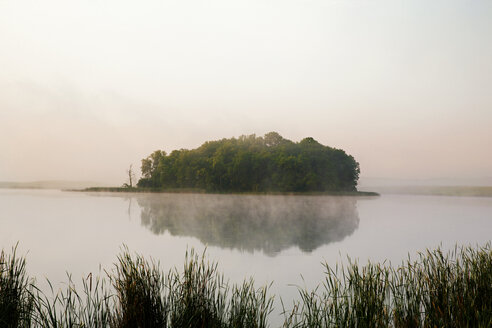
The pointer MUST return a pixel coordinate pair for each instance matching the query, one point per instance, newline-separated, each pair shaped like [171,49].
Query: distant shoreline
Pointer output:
[201,191]
[446,191]
[456,191]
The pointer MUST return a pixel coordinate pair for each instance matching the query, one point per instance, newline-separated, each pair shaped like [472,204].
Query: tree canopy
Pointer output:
[253,164]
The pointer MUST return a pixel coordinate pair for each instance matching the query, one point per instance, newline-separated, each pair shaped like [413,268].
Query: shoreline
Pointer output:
[201,191]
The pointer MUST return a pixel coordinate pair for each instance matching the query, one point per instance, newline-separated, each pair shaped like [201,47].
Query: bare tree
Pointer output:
[131,177]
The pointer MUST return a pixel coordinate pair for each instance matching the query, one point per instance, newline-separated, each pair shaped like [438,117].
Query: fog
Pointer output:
[89,87]
[252,223]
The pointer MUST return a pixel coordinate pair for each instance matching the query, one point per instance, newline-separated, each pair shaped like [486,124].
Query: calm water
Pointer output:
[272,238]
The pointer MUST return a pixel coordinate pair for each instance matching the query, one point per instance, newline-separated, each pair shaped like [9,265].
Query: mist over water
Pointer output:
[252,223]
[274,239]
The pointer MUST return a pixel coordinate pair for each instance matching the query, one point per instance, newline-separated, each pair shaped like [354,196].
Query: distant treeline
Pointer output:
[253,164]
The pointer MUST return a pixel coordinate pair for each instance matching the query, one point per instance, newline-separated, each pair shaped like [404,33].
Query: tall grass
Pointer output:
[437,289]
[458,288]
[350,297]
[139,288]
[141,295]
[69,308]
[200,297]
[16,299]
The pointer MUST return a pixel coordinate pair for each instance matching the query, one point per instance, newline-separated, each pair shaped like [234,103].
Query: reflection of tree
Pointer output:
[267,223]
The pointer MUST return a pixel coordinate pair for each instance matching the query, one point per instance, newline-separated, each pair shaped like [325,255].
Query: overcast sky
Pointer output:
[89,87]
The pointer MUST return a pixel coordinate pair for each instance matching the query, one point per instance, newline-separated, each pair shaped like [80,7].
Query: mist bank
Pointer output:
[456,186]
[367,182]
[461,191]
[252,223]
[50,184]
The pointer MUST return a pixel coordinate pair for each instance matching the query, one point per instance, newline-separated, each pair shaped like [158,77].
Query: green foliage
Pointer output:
[253,164]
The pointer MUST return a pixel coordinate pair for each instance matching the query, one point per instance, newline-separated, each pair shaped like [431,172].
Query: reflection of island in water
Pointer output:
[251,222]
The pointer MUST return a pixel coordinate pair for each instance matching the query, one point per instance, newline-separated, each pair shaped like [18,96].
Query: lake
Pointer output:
[279,239]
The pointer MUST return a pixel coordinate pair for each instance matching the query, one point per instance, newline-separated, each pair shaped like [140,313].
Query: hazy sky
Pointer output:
[88,87]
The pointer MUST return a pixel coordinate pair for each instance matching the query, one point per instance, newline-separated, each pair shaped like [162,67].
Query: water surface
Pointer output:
[272,238]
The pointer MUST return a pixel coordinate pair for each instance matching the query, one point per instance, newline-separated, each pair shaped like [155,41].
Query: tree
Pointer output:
[250,163]
[273,139]
[131,177]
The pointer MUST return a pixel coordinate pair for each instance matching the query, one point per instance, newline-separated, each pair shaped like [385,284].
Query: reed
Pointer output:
[457,287]
[407,291]
[16,299]
[141,295]
[197,297]
[249,307]
[201,297]
[139,288]
[69,308]
[438,289]
[349,297]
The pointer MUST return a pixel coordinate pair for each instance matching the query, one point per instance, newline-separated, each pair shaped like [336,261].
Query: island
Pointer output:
[250,164]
